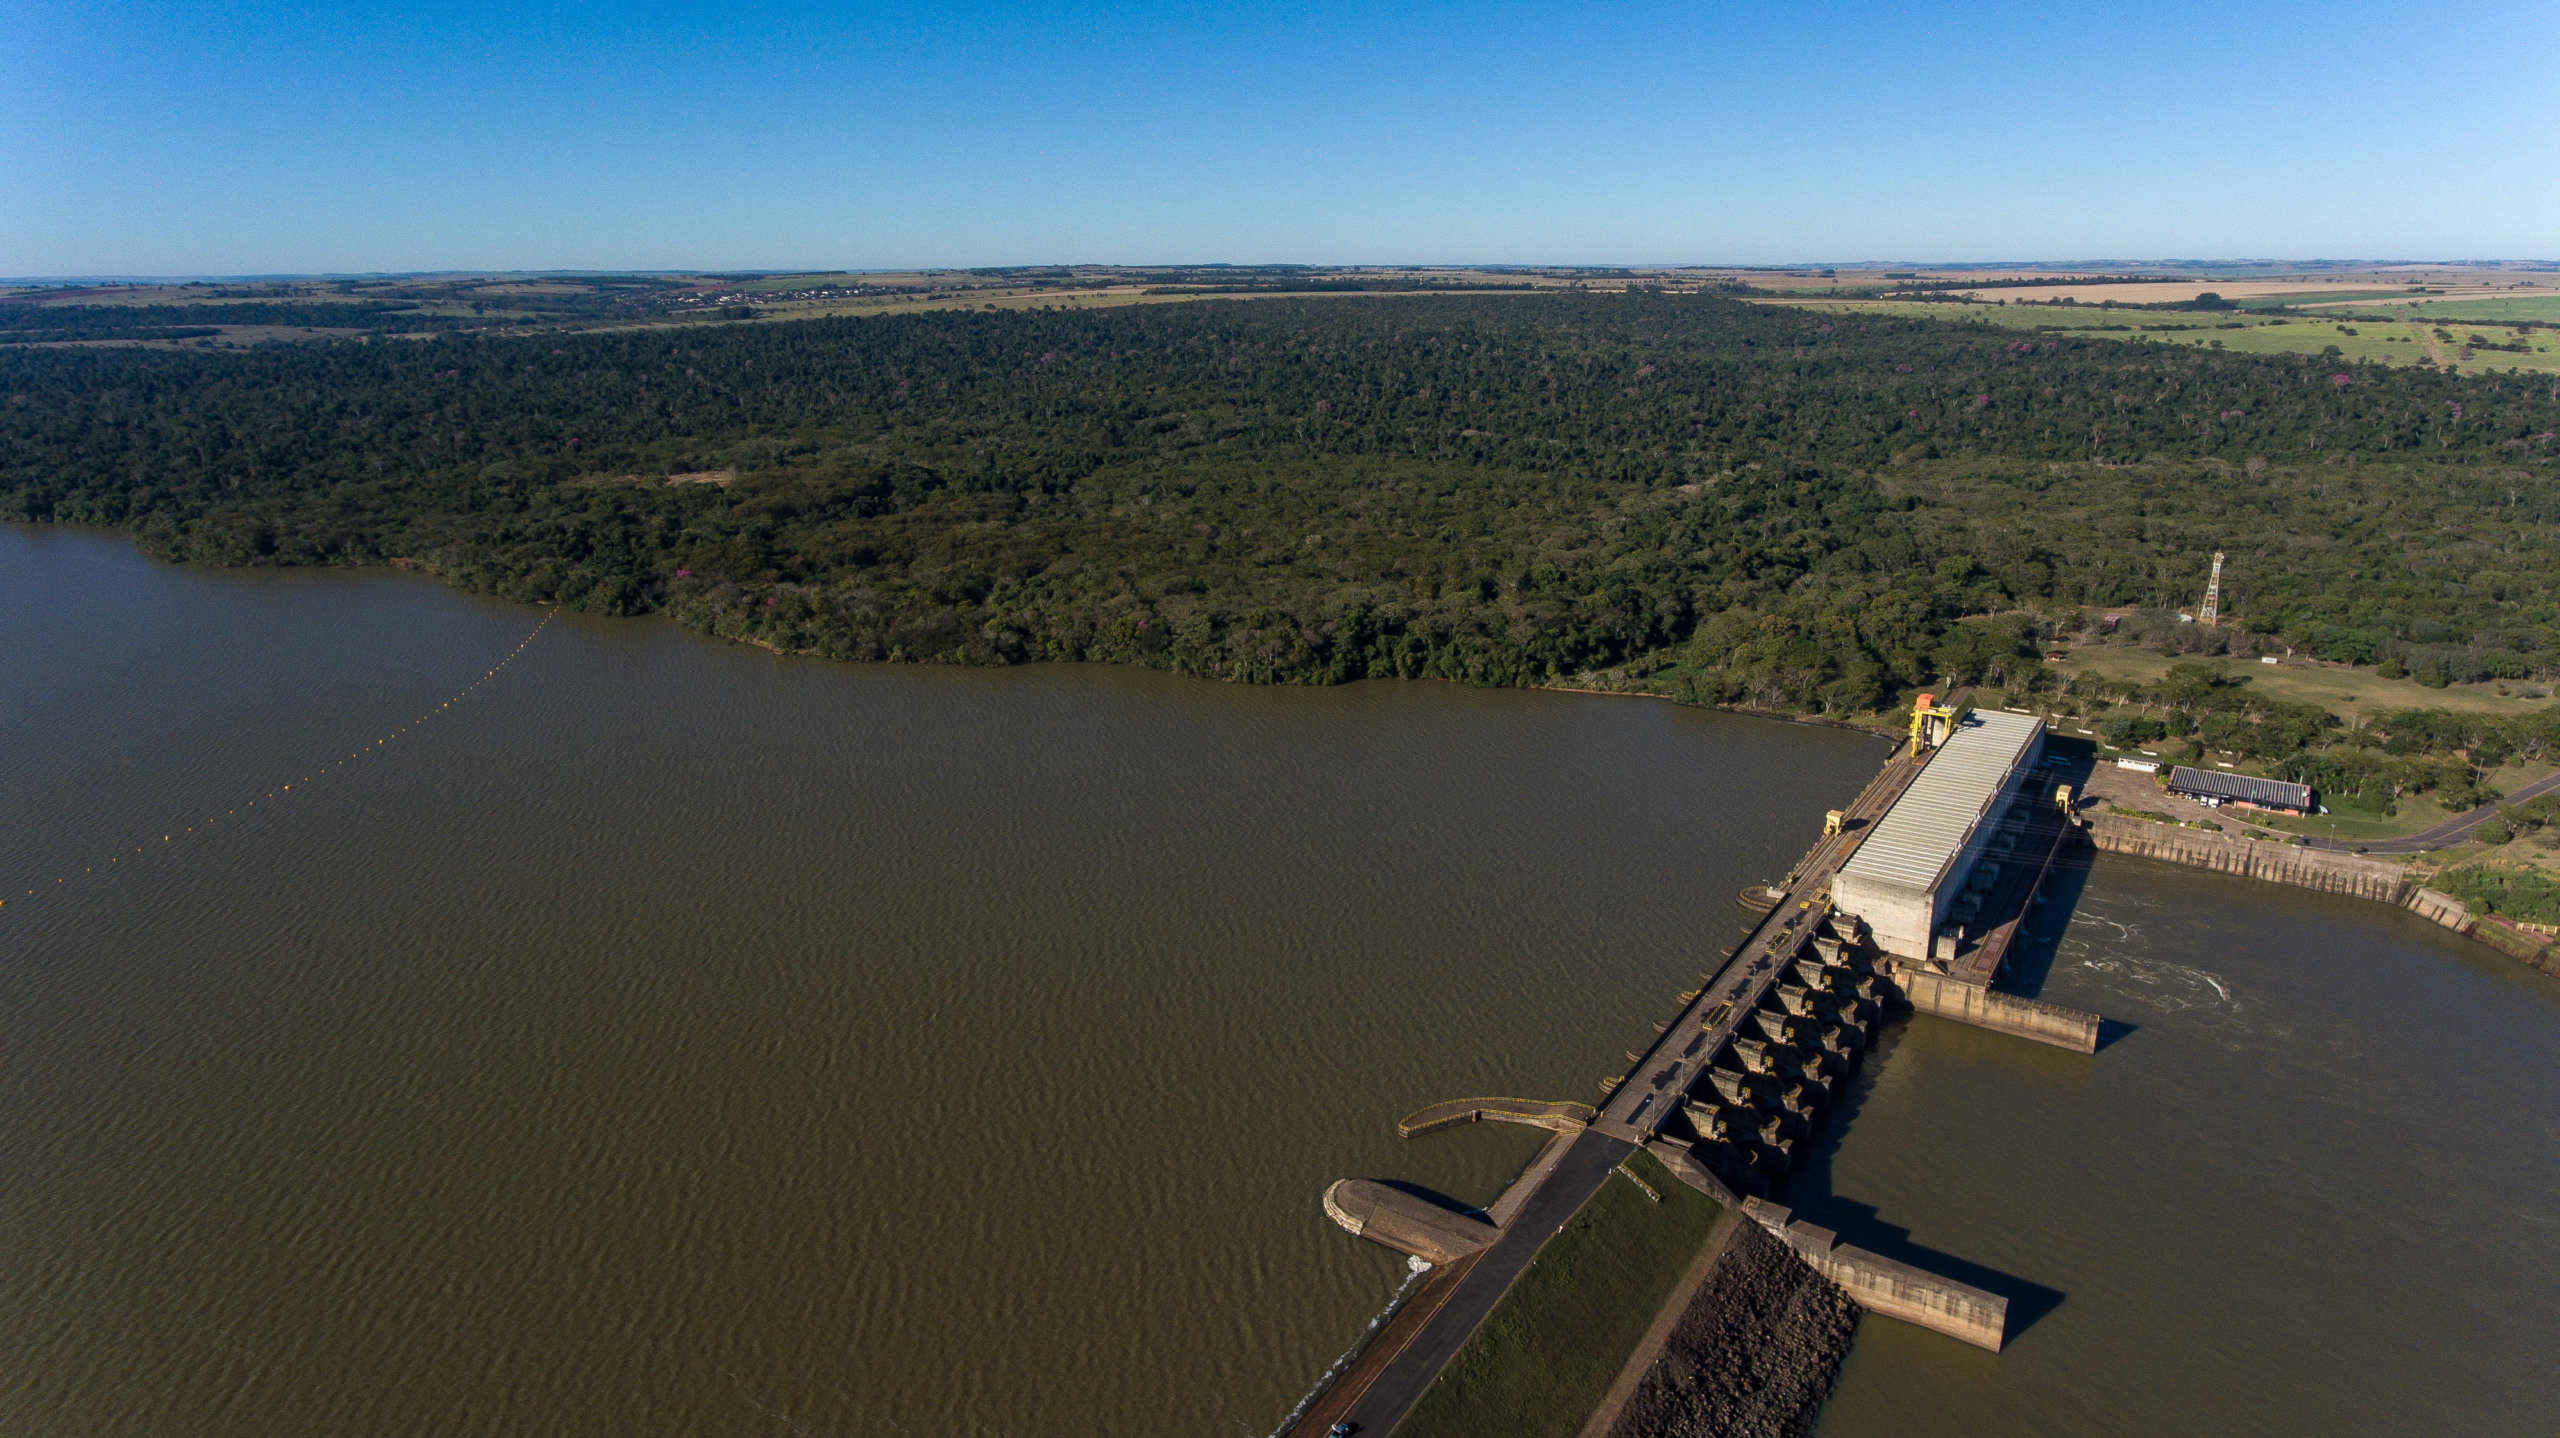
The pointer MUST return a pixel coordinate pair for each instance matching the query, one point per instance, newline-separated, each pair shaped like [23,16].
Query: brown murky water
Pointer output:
[670,1038]
[2316,1190]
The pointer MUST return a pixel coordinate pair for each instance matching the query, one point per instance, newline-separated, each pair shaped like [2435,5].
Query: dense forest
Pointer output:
[1732,503]
[371,308]
[53,324]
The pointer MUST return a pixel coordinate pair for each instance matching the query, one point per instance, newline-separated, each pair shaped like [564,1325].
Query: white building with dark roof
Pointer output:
[2214,788]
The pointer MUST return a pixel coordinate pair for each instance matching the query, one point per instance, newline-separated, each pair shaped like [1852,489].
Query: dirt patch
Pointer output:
[721,477]
[1754,1357]
[2131,789]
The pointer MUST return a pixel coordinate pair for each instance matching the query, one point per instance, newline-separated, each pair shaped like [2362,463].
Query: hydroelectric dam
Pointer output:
[1914,897]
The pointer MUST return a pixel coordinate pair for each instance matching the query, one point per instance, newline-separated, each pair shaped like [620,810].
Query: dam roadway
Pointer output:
[1407,1354]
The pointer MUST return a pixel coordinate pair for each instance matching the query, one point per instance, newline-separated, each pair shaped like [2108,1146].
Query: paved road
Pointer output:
[2450,831]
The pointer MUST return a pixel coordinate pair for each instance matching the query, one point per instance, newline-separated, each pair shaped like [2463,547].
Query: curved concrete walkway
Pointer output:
[1560,1116]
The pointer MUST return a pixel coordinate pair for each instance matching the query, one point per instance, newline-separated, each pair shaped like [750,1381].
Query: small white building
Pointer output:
[2139,766]
[1913,864]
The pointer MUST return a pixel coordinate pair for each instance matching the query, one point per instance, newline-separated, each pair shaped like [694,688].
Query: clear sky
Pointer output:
[176,138]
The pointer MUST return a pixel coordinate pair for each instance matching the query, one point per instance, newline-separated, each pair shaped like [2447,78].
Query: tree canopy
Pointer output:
[1752,504]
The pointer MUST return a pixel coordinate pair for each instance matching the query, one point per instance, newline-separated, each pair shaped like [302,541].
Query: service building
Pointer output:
[2214,788]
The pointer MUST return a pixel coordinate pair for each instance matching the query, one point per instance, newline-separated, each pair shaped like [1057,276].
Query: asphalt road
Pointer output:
[2451,831]
[1577,1176]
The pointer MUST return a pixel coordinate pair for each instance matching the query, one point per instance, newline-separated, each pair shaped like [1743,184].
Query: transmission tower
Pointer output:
[2212,614]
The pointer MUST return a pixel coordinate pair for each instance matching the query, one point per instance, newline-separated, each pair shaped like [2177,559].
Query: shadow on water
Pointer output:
[2039,940]
[1858,1224]
[1809,1193]
[2040,937]
[2110,1030]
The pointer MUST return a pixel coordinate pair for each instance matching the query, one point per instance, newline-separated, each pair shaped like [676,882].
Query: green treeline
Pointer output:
[1732,503]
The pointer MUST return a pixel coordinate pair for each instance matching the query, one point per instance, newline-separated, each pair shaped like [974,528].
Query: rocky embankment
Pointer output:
[1755,1355]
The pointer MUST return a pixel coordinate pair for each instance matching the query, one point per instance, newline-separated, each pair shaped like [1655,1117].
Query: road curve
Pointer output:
[2450,831]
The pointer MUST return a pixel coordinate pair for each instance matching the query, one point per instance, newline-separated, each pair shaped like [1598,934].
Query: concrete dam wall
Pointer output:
[1882,1285]
[2002,1013]
[2321,869]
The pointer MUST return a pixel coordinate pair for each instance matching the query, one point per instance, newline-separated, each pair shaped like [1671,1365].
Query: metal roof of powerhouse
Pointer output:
[1920,835]
[2273,792]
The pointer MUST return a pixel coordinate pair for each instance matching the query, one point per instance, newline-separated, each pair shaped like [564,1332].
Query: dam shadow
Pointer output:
[2030,959]
[2040,935]
[1809,1193]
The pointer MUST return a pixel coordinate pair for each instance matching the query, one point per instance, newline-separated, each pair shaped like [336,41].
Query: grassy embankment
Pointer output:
[1548,1353]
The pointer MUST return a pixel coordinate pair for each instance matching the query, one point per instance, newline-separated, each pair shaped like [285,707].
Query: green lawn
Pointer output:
[1548,1353]
[2350,826]
[2352,694]
[2272,302]
[2544,307]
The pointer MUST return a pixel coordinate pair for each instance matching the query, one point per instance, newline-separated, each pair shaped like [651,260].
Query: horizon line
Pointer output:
[2255,262]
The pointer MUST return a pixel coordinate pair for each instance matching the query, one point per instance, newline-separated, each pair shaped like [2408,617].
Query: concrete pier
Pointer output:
[1556,1117]
[1881,1285]
[1987,1008]
[1405,1222]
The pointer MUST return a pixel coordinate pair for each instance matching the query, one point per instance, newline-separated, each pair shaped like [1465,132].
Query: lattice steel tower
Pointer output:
[2212,614]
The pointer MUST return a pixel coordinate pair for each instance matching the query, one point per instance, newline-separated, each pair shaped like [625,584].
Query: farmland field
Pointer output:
[2542,308]
[2380,338]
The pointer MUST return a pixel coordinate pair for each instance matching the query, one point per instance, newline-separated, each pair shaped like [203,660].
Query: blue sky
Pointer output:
[181,138]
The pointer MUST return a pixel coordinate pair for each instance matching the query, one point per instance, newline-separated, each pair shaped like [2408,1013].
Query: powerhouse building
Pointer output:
[1912,866]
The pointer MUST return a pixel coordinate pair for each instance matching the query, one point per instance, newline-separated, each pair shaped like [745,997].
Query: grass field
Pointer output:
[2545,308]
[2417,815]
[2527,854]
[2325,297]
[1548,1353]
[2370,300]
[2352,694]
[2378,337]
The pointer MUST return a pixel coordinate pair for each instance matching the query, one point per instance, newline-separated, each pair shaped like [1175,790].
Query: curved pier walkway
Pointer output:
[1564,1117]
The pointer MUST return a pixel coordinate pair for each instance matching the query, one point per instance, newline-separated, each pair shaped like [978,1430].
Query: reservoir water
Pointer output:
[669,1037]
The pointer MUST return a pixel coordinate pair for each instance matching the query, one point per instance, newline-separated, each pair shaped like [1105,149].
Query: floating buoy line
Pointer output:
[176,832]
